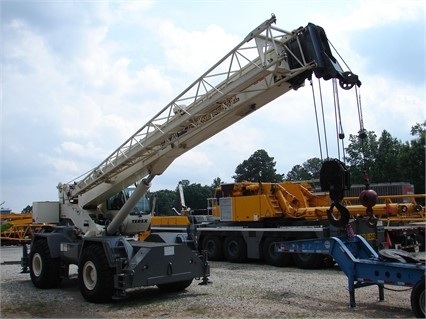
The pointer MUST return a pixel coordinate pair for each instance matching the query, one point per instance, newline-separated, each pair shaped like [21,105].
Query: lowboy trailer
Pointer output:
[365,267]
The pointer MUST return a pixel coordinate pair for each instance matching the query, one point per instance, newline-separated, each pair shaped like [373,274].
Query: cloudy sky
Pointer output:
[80,77]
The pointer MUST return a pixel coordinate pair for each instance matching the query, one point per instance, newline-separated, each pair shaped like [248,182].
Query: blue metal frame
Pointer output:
[360,263]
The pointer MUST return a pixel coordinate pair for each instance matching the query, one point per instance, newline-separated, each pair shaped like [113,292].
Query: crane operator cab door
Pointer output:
[139,219]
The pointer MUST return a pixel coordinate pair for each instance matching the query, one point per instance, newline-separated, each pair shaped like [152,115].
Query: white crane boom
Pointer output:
[265,65]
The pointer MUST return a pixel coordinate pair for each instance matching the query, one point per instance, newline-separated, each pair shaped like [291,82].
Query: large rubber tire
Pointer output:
[329,262]
[95,276]
[273,258]
[309,261]
[44,270]
[418,299]
[214,247]
[421,241]
[235,249]
[175,286]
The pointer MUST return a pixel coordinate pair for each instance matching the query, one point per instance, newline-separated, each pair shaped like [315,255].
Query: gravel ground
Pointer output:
[237,291]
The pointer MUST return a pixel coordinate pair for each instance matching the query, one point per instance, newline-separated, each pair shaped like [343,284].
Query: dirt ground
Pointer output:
[252,290]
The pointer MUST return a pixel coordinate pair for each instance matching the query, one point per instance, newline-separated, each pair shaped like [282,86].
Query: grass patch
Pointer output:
[35,309]
[194,310]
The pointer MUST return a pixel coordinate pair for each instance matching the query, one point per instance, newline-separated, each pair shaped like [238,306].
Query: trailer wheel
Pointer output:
[308,260]
[175,286]
[418,299]
[44,270]
[273,258]
[421,241]
[235,249]
[214,247]
[95,276]
[329,262]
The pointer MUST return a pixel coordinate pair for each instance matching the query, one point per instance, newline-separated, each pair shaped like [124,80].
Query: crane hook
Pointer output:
[368,198]
[343,221]
[335,178]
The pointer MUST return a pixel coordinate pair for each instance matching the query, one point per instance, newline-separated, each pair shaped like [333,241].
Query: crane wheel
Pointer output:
[273,258]
[95,276]
[418,299]
[214,247]
[44,270]
[309,261]
[235,249]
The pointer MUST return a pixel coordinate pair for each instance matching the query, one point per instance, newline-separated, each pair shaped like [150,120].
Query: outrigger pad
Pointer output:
[334,178]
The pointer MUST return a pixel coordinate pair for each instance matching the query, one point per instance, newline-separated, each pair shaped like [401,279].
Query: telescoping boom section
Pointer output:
[268,63]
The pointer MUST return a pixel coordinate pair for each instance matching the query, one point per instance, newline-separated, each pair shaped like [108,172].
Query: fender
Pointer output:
[54,241]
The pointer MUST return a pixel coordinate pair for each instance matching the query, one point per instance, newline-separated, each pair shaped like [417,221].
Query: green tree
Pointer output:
[307,171]
[313,167]
[27,209]
[216,182]
[386,163]
[259,167]
[166,201]
[387,159]
[184,183]
[362,154]
[297,173]
[5,227]
[196,195]
[412,158]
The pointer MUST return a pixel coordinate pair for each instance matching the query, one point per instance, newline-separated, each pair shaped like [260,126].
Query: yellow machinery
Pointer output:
[17,228]
[245,218]
[252,202]
[256,201]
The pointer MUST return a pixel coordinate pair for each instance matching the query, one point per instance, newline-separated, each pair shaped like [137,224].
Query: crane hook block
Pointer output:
[334,178]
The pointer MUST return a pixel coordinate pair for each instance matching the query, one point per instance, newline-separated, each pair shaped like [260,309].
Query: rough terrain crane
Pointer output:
[94,216]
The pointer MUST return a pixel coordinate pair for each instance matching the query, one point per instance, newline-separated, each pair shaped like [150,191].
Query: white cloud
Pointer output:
[62,165]
[393,106]
[80,79]
[193,52]
[372,13]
